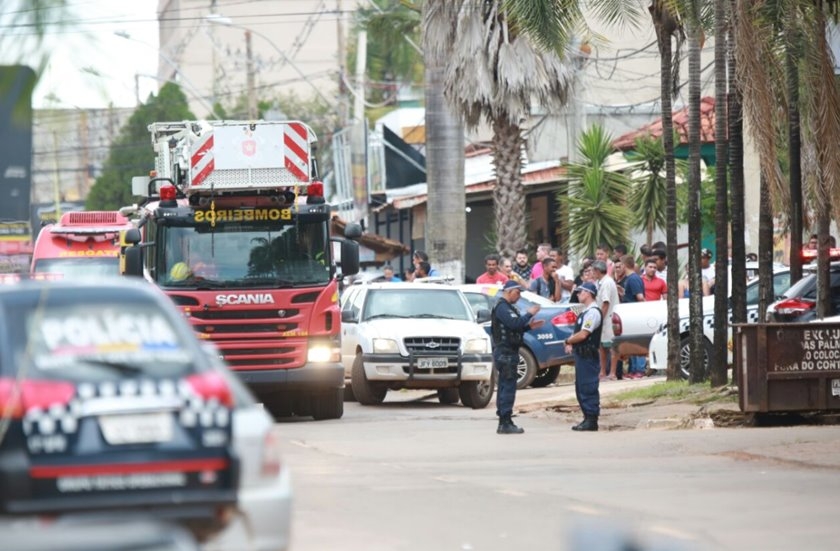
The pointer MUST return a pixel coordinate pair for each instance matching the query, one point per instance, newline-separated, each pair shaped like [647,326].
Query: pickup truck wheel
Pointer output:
[328,404]
[526,369]
[477,394]
[546,377]
[349,396]
[367,393]
[448,395]
[685,355]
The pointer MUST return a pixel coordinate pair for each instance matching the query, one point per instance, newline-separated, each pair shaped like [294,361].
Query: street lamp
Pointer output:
[196,94]
[218,19]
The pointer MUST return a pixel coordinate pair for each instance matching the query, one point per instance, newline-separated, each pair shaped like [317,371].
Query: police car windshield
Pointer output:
[243,255]
[93,340]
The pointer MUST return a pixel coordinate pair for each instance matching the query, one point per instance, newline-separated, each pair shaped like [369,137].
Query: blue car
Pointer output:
[542,352]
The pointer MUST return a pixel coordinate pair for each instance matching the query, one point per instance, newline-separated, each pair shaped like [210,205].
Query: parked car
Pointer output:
[110,405]
[799,302]
[542,352]
[658,348]
[414,335]
[641,320]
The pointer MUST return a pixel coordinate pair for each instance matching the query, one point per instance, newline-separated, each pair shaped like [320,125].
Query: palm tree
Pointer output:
[718,361]
[505,54]
[668,26]
[694,10]
[594,197]
[446,223]
[647,198]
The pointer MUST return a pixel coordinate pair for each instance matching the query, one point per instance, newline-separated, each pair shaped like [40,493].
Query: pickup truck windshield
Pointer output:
[415,303]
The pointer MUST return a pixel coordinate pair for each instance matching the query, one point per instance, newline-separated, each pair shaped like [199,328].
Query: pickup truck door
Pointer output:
[351,307]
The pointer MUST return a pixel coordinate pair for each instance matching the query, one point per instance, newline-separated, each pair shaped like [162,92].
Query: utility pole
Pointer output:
[342,68]
[252,91]
[56,177]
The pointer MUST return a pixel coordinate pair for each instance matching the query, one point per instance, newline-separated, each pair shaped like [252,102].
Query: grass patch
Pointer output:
[679,391]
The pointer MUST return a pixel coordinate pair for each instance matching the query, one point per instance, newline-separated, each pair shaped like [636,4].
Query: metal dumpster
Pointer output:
[788,366]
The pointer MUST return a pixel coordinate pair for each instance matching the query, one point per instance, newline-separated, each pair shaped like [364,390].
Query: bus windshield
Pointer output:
[243,255]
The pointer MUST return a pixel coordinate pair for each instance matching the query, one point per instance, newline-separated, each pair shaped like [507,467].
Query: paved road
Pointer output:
[416,475]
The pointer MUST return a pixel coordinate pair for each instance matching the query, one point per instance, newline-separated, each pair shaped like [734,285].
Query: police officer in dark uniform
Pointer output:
[585,342]
[508,327]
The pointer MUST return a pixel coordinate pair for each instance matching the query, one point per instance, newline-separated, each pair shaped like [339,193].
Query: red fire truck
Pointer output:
[81,245]
[235,229]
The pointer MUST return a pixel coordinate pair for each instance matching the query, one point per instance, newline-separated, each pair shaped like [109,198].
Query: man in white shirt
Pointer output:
[606,300]
[565,274]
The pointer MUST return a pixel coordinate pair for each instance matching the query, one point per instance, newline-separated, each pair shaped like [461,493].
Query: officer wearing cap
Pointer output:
[585,342]
[508,326]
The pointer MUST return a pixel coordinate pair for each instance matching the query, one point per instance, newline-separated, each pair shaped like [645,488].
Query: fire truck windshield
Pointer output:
[243,255]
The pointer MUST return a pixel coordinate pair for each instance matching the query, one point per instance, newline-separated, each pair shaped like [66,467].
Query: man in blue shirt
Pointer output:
[388,274]
[421,256]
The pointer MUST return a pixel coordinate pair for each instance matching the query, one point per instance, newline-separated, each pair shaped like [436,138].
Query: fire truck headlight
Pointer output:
[385,346]
[321,353]
[476,346]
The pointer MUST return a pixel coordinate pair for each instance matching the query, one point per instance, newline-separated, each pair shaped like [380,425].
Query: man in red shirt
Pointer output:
[492,275]
[655,286]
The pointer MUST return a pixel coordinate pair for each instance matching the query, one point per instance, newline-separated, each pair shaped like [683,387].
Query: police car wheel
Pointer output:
[546,377]
[685,355]
[526,369]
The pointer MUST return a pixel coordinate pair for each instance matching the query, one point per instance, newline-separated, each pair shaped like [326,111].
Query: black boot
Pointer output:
[506,426]
[589,423]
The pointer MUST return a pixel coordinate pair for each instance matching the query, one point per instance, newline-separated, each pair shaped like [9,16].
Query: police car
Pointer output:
[543,351]
[108,404]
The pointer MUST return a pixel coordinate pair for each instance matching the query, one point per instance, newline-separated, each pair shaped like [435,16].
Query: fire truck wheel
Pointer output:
[278,406]
[448,395]
[477,394]
[367,393]
[328,404]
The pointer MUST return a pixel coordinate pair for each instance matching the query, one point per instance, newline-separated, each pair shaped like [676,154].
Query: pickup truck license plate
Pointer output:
[146,428]
[432,363]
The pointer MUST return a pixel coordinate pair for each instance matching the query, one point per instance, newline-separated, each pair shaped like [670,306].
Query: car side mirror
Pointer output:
[482,316]
[348,316]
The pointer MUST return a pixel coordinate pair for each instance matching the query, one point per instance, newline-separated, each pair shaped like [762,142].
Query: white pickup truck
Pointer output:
[415,335]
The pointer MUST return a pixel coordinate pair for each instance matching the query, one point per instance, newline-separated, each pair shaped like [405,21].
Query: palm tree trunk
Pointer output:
[718,361]
[446,216]
[735,115]
[509,194]
[663,34]
[765,248]
[695,224]
[794,148]
[446,222]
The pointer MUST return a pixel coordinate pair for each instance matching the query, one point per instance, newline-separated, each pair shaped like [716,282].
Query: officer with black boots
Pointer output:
[508,327]
[585,343]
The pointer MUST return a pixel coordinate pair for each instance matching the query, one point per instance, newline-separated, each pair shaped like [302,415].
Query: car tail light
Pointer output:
[16,399]
[616,325]
[270,466]
[211,385]
[566,318]
[794,307]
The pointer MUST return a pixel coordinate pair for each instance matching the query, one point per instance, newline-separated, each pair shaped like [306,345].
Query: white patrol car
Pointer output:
[658,347]
[414,335]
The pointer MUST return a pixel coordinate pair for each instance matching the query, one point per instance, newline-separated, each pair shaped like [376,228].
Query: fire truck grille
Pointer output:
[243,314]
[433,345]
[245,328]
[239,363]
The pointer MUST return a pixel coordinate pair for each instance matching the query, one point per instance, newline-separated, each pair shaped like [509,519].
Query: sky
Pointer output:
[89,65]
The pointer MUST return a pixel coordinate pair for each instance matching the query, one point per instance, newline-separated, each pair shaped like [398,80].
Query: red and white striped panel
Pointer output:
[296,140]
[201,162]
[296,154]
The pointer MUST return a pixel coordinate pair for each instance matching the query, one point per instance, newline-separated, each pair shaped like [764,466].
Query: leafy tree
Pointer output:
[131,152]
[647,197]
[595,197]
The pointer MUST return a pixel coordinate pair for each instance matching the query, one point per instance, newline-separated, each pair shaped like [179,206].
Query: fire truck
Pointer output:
[81,245]
[234,227]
